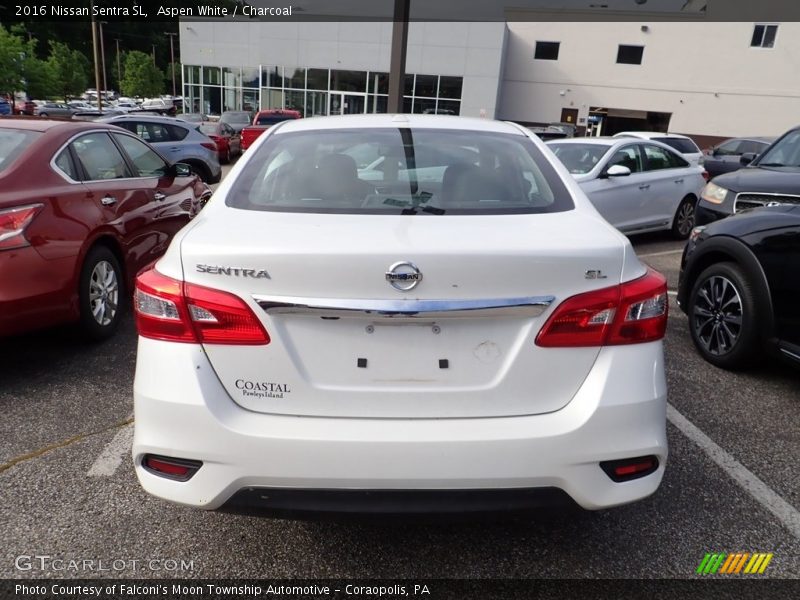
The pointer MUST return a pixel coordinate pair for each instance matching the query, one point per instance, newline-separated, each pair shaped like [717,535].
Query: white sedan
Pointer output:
[638,186]
[475,340]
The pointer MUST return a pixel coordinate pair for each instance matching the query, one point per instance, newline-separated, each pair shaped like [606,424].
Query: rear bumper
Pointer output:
[182,411]
[311,502]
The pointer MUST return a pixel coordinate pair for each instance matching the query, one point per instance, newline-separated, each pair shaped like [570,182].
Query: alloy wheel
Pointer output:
[717,315]
[103,293]
[685,218]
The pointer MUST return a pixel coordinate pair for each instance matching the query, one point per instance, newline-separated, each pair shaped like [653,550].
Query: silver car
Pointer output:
[637,185]
[177,141]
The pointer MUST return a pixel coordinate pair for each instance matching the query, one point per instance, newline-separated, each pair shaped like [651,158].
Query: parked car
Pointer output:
[771,178]
[83,207]
[193,117]
[725,157]
[177,140]
[680,143]
[229,143]
[157,103]
[263,121]
[92,114]
[24,107]
[637,185]
[525,367]
[238,119]
[739,287]
[5,107]
[125,106]
[55,109]
[81,105]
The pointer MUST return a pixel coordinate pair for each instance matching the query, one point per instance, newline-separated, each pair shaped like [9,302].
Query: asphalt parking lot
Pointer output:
[68,490]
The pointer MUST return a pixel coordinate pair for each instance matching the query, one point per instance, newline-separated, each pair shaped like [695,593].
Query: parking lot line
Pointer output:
[664,253]
[111,457]
[787,514]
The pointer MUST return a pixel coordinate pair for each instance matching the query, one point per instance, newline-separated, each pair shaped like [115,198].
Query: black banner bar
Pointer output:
[16,11]
[435,589]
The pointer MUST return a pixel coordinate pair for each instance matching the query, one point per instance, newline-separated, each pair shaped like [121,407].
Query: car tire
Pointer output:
[43,114]
[199,171]
[683,223]
[723,313]
[101,294]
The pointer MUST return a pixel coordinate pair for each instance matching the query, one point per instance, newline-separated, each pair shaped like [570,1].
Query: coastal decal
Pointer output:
[262,389]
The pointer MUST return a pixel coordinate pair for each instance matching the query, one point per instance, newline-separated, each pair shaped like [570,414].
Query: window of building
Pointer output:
[764,36]
[319,91]
[630,55]
[547,50]
[450,87]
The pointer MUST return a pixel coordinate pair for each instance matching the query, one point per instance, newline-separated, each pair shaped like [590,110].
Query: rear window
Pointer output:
[272,119]
[236,117]
[208,129]
[399,171]
[682,145]
[13,142]
[579,158]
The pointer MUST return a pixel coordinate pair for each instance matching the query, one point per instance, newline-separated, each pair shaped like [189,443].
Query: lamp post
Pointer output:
[119,67]
[172,59]
[397,66]
[103,56]
[96,61]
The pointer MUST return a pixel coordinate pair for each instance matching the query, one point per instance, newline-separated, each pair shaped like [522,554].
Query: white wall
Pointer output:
[705,74]
[473,51]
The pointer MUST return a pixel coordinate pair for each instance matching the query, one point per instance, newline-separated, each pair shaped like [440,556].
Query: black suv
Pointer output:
[739,285]
[772,178]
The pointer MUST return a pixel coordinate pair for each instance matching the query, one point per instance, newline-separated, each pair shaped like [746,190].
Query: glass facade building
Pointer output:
[313,91]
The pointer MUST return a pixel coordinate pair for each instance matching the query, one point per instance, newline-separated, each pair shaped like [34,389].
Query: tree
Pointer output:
[141,77]
[12,59]
[178,78]
[69,69]
[39,78]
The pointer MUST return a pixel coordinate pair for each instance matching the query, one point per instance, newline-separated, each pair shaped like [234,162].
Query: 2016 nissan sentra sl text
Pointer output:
[450,326]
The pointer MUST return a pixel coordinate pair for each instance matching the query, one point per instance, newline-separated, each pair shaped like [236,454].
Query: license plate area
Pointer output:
[349,353]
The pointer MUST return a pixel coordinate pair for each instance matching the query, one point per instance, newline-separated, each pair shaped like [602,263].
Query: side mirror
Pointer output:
[617,171]
[181,170]
[746,158]
[715,152]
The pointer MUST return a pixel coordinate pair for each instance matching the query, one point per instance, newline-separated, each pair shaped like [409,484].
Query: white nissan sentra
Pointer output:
[410,313]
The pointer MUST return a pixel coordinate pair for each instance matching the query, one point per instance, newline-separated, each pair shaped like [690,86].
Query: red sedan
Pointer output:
[83,207]
[229,143]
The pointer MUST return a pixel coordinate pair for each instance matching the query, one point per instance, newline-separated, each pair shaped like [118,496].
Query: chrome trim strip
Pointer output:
[529,306]
[790,354]
[736,198]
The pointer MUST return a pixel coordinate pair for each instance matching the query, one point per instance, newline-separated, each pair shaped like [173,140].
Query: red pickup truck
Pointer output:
[263,121]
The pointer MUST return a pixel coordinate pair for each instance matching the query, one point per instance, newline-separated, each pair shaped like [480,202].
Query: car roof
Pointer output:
[594,141]
[147,117]
[611,142]
[651,134]
[753,138]
[40,124]
[371,121]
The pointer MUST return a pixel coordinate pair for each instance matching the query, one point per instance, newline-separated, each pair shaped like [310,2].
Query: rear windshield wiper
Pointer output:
[431,210]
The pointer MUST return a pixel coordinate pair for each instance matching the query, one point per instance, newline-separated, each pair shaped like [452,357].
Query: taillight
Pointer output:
[630,313]
[13,222]
[175,311]
[706,175]
[630,468]
[209,145]
[179,469]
